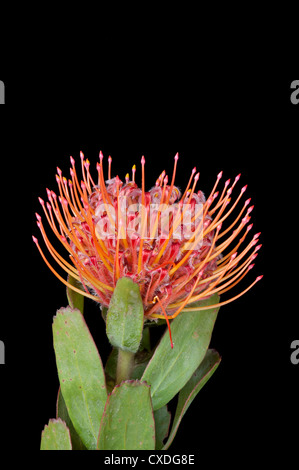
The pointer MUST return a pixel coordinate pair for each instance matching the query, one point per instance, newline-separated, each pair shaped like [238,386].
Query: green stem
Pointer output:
[125,363]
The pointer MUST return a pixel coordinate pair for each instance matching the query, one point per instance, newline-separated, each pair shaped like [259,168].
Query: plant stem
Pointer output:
[125,364]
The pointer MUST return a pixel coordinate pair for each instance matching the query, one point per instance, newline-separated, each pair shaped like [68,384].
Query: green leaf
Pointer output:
[162,421]
[75,299]
[141,361]
[124,322]
[110,369]
[81,374]
[191,389]
[128,422]
[146,340]
[170,369]
[104,311]
[62,413]
[56,436]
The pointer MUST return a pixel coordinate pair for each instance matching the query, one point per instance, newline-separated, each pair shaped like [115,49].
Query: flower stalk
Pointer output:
[125,364]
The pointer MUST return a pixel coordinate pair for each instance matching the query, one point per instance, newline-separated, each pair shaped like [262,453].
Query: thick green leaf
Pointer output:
[191,389]
[162,421]
[128,421]
[124,322]
[170,369]
[56,436]
[75,299]
[62,413]
[81,374]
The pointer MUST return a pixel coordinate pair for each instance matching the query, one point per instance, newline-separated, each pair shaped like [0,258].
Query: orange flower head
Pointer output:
[171,243]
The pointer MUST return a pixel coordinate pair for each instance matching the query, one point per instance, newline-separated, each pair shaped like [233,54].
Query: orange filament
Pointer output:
[166,318]
[109,170]
[93,297]
[173,178]
[143,217]
[194,309]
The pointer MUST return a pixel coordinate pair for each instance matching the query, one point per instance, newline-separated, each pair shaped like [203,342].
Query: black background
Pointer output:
[217,122]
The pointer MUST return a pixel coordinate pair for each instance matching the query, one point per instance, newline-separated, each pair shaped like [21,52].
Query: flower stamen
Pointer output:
[156,298]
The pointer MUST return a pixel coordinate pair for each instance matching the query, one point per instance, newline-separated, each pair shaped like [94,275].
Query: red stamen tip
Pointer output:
[227,183]
[176,157]
[110,159]
[101,155]
[219,227]
[244,189]
[57,178]
[249,227]
[35,240]
[247,202]
[142,160]
[38,217]
[259,278]
[251,266]
[233,256]
[194,170]
[81,155]
[42,202]
[250,209]
[256,235]
[219,176]
[196,177]
[237,177]
[59,171]
[72,161]
[245,219]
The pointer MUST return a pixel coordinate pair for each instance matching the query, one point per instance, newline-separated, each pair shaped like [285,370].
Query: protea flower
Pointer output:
[113,229]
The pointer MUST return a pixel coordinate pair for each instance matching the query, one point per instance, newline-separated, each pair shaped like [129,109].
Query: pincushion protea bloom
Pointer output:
[107,240]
